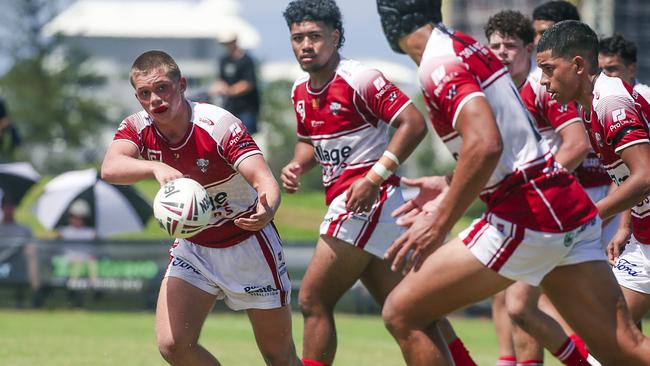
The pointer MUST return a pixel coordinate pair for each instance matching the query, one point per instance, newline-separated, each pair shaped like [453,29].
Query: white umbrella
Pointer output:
[16,179]
[115,209]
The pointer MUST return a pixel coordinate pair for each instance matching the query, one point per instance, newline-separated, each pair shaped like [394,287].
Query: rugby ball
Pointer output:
[182,207]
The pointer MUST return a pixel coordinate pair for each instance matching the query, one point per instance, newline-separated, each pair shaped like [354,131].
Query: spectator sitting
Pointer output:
[13,232]
[79,250]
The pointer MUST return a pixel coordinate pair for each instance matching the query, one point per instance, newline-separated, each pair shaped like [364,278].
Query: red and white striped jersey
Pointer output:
[550,118]
[527,187]
[619,119]
[347,121]
[214,145]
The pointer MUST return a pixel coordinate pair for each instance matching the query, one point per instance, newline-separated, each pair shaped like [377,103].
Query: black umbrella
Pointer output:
[17,178]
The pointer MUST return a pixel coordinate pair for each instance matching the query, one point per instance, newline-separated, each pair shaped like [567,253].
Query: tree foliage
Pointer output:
[48,89]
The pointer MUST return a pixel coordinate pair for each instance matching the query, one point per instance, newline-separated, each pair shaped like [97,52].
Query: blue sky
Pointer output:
[364,37]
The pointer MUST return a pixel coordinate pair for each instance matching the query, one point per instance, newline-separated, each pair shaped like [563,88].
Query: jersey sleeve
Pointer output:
[379,95]
[127,131]
[449,85]
[558,115]
[235,143]
[622,125]
[301,114]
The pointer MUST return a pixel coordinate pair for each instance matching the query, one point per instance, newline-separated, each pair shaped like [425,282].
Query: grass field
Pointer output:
[80,338]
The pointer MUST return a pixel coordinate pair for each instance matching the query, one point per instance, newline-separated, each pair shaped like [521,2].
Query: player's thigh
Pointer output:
[379,279]
[334,268]
[637,302]
[449,279]
[272,328]
[588,297]
[521,297]
[181,311]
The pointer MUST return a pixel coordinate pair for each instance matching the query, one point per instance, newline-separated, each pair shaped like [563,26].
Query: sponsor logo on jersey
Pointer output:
[154,155]
[267,290]
[563,108]
[392,96]
[618,115]
[451,92]
[236,133]
[300,109]
[317,123]
[438,74]
[203,164]
[333,156]
[335,108]
[379,83]
[207,121]
[122,126]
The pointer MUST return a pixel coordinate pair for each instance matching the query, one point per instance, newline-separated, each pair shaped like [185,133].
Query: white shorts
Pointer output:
[373,231]
[526,255]
[596,194]
[632,268]
[248,275]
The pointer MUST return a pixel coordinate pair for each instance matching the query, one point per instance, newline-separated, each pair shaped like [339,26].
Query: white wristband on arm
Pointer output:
[381,170]
[392,157]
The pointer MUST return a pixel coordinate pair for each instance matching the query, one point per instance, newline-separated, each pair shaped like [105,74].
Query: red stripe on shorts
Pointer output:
[265,245]
[507,248]
[473,235]
[369,228]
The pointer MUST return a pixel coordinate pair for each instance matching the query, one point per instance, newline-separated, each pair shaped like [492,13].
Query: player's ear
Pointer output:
[579,64]
[336,36]
[182,83]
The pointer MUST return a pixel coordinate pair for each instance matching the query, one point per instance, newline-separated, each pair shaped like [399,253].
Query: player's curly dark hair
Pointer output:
[325,11]
[571,38]
[618,45]
[556,11]
[510,23]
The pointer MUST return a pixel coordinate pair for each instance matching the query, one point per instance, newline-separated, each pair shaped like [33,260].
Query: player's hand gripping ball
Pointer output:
[182,207]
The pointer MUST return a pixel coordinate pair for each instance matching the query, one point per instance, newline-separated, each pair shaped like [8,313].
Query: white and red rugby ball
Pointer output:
[182,207]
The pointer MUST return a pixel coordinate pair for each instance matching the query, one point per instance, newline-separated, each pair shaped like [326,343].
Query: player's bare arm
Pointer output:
[575,146]
[479,155]
[411,129]
[122,166]
[620,239]
[634,188]
[303,160]
[257,173]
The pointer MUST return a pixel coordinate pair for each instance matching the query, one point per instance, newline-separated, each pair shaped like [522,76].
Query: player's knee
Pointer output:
[311,305]
[172,349]
[279,355]
[394,320]
[519,311]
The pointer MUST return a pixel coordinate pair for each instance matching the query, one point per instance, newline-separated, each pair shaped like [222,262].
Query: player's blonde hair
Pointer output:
[152,60]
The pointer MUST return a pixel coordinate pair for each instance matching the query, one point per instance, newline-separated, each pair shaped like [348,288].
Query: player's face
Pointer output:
[512,52]
[314,44]
[559,77]
[160,95]
[540,27]
[614,66]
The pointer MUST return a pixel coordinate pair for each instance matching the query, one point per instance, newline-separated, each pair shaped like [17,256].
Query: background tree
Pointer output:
[48,89]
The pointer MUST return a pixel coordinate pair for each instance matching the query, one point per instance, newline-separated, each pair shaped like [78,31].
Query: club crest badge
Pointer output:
[335,108]
[203,164]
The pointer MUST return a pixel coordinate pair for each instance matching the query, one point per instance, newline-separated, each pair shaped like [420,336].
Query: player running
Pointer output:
[510,36]
[238,257]
[540,226]
[344,110]
[616,117]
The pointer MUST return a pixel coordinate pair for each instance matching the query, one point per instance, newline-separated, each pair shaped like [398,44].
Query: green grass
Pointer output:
[71,338]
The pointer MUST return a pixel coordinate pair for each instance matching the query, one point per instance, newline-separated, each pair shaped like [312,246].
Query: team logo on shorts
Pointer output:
[203,164]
